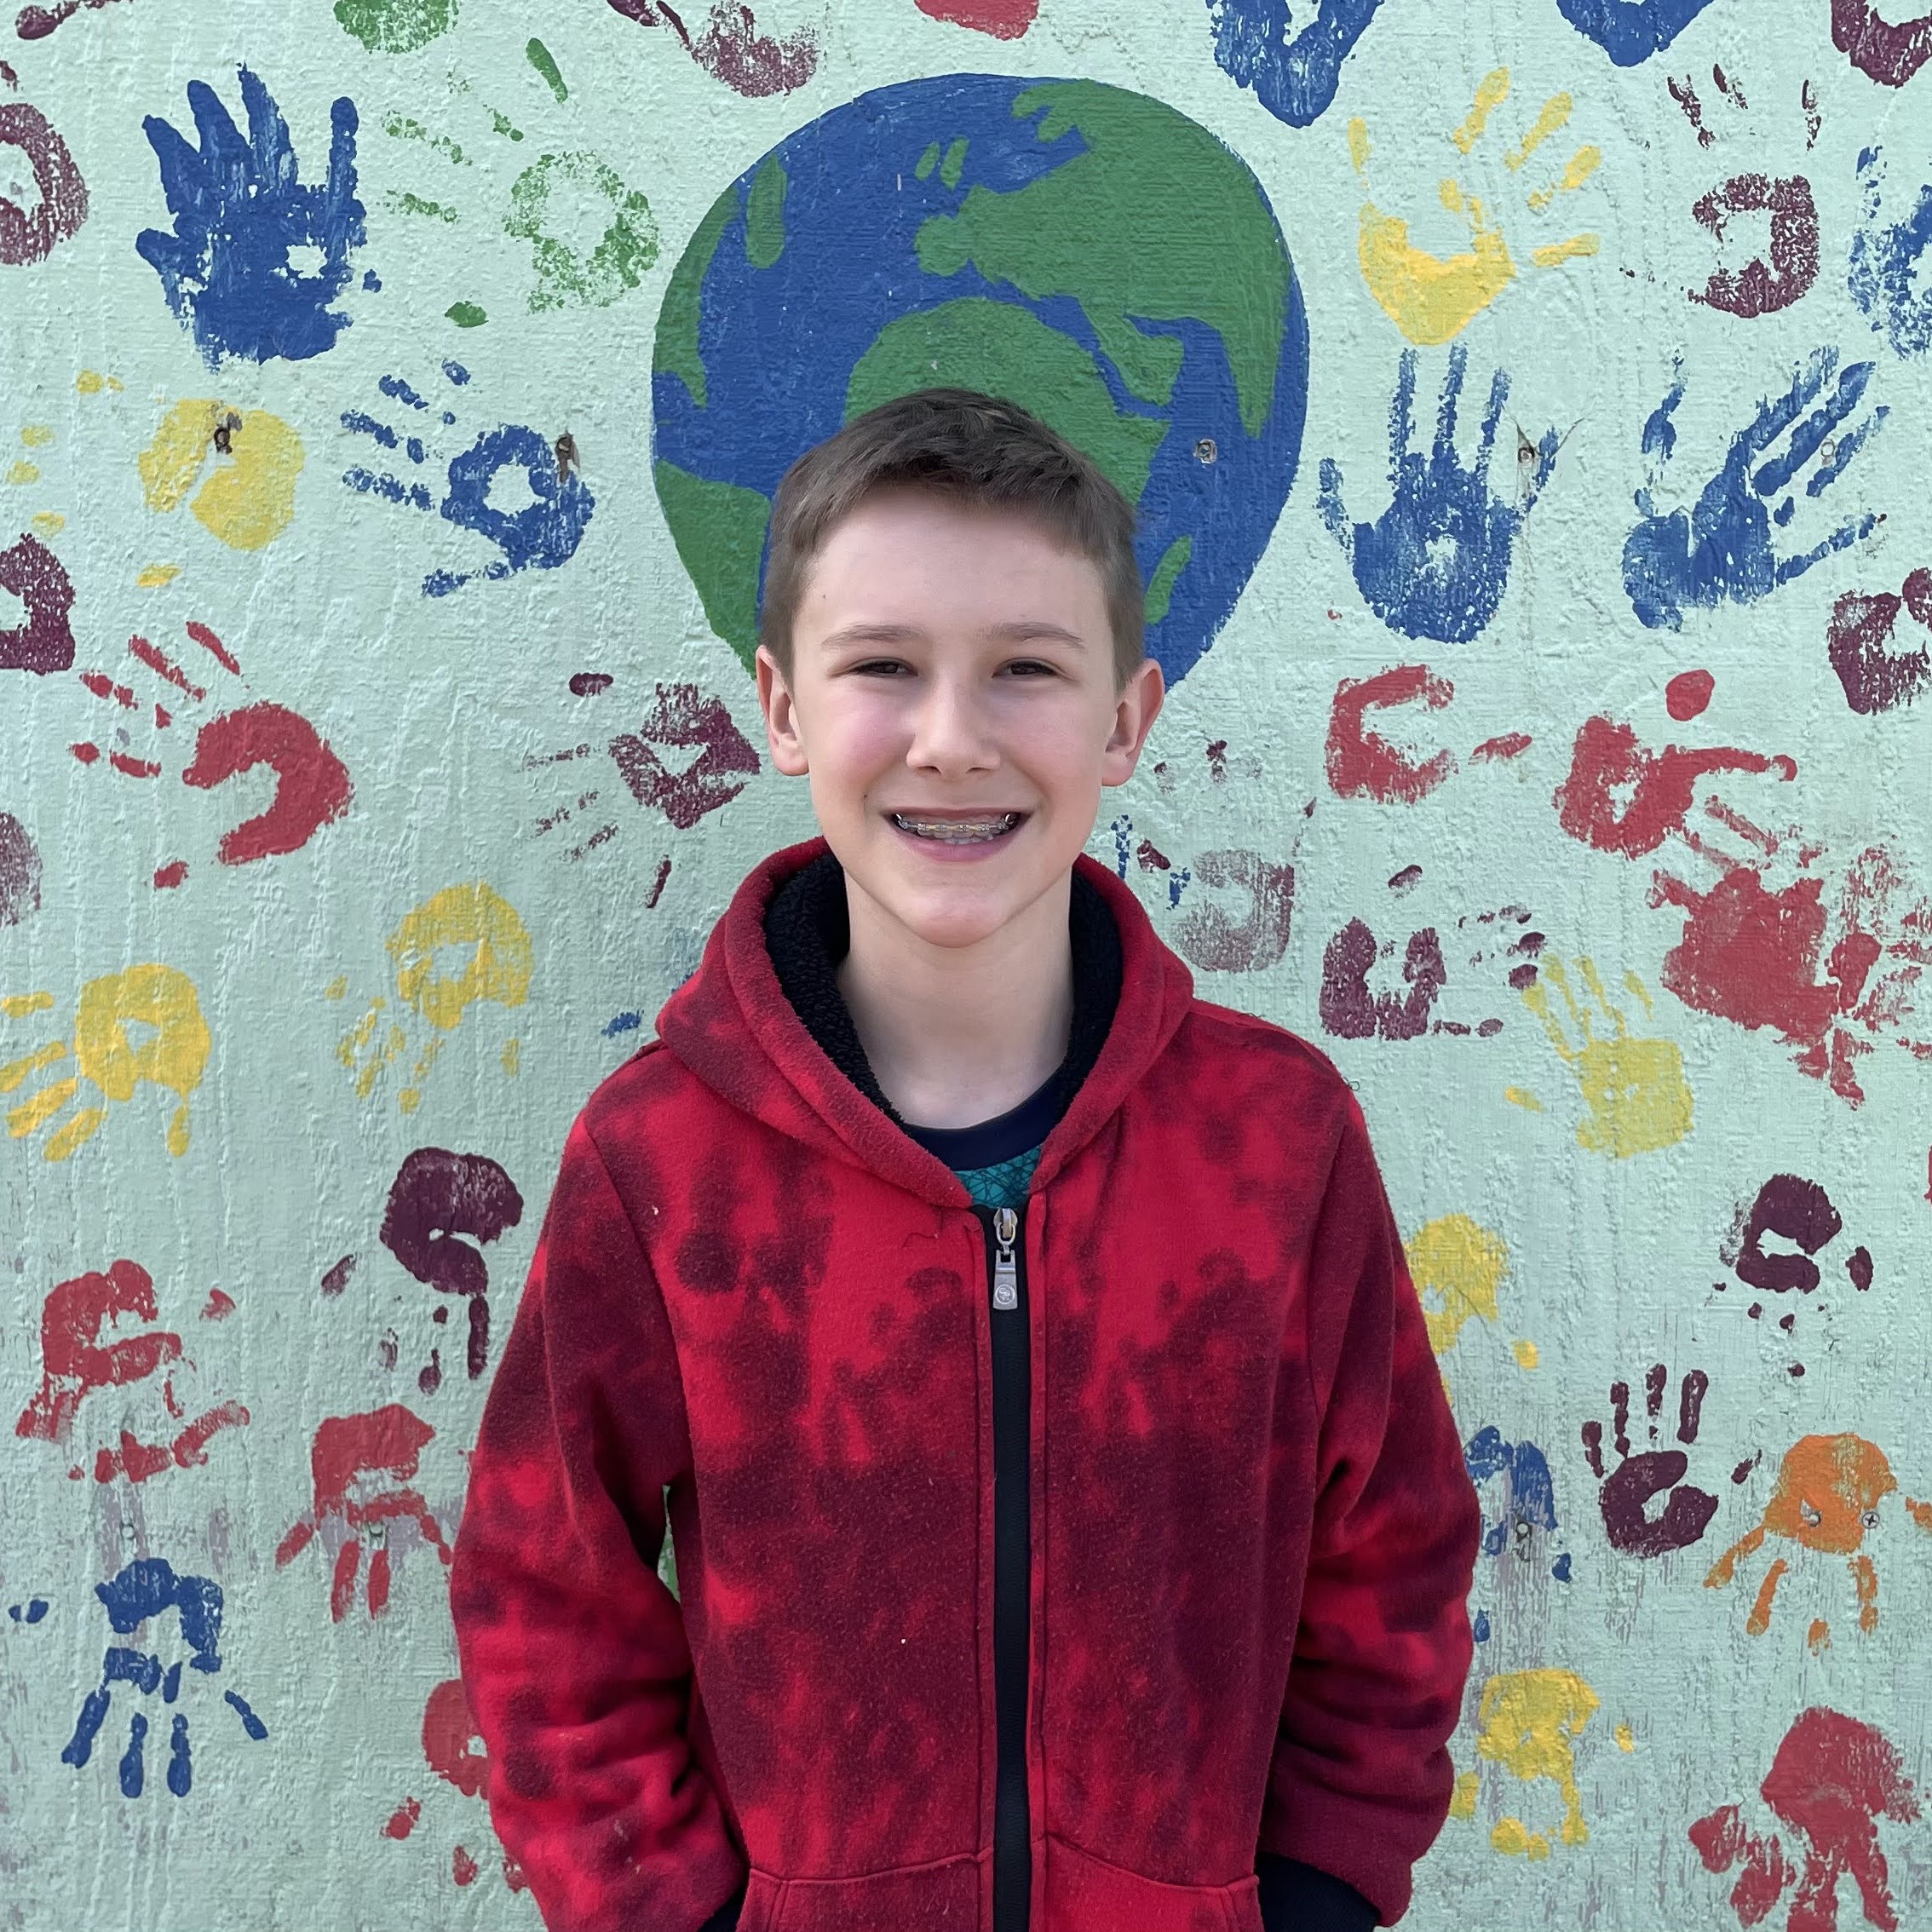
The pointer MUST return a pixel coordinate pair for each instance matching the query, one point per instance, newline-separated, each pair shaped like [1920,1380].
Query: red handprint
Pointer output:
[389,1441]
[1782,958]
[1832,1781]
[75,1361]
[312,784]
[1662,786]
[1363,764]
[454,1751]
[1829,979]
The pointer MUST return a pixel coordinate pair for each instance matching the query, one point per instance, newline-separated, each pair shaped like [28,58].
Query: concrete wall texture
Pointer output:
[1527,404]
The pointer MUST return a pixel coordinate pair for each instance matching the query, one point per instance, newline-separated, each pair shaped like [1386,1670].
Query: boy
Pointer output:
[1072,1531]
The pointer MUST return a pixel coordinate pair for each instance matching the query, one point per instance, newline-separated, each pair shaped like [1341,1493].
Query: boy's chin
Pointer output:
[946,904]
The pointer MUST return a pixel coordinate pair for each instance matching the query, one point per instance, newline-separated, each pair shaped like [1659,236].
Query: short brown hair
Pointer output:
[980,450]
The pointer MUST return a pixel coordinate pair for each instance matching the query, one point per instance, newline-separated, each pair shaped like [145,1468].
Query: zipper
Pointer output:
[1006,1270]
[1012,1391]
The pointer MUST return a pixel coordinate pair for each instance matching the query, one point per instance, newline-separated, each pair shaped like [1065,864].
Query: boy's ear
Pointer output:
[1134,714]
[781,717]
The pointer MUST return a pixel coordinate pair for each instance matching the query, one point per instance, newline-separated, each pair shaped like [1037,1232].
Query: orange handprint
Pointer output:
[173,1054]
[1828,1493]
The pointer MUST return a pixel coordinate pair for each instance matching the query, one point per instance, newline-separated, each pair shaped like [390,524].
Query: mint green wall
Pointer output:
[436,944]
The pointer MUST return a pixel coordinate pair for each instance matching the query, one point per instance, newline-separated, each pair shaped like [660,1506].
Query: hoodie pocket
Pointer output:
[763,1896]
[941,1896]
[1086,1894]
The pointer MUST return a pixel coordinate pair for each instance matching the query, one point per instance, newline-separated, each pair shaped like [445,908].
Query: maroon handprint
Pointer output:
[1875,677]
[1888,54]
[1639,1479]
[32,234]
[1761,287]
[1791,1209]
[437,1197]
[1351,1009]
[45,641]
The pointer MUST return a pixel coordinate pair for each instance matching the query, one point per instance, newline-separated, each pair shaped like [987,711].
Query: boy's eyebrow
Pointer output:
[1018,631]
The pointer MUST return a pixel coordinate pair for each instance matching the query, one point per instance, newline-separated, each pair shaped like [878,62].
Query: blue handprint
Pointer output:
[1721,547]
[1630,30]
[1885,260]
[541,535]
[1528,1503]
[148,1587]
[1294,79]
[1435,562]
[238,211]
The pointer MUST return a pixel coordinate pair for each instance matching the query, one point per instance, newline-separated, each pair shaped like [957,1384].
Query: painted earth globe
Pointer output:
[1087,252]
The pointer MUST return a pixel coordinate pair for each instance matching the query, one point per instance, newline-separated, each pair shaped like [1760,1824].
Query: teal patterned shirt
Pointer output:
[1004,1184]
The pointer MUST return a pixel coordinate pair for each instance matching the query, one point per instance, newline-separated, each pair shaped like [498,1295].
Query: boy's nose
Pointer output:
[952,731]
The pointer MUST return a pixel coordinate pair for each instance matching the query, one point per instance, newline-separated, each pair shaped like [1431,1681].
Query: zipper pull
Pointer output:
[1006,1274]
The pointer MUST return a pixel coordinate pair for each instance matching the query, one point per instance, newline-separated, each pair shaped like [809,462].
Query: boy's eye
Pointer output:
[1032,665]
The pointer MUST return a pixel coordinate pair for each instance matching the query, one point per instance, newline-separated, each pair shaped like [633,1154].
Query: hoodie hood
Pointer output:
[733,1027]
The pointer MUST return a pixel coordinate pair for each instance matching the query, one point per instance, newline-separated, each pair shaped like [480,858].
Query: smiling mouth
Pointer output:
[958,831]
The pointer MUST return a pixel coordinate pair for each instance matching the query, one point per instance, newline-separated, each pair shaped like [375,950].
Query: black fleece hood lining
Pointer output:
[807,932]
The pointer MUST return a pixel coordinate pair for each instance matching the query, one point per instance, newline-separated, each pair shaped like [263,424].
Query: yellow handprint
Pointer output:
[1636,1092]
[1527,1722]
[1433,298]
[249,497]
[471,916]
[1457,1266]
[173,1054]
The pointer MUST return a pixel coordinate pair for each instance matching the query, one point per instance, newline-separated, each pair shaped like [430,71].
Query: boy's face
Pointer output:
[952,700]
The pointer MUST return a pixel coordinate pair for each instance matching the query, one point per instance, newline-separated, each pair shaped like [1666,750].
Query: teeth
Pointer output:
[957,831]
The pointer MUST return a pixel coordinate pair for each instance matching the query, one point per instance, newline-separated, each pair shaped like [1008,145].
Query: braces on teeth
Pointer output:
[957,831]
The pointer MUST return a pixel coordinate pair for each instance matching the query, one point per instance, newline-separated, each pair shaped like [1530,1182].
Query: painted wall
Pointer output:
[1528,407]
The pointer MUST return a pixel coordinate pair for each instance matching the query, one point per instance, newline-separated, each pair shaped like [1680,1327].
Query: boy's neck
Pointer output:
[956,1035]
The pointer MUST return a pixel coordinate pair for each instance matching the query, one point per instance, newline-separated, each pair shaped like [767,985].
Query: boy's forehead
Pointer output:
[908,556]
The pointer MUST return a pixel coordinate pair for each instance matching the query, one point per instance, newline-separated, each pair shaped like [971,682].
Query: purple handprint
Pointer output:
[149,1587]
[238,211]
[1638,1479]
[1721,547]
[1435,562]
[1294,78]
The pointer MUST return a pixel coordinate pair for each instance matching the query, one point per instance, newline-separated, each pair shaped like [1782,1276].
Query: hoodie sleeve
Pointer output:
[1361,1781]
[573,1652]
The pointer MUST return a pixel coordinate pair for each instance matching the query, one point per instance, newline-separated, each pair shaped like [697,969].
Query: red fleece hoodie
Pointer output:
[1249,1535]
